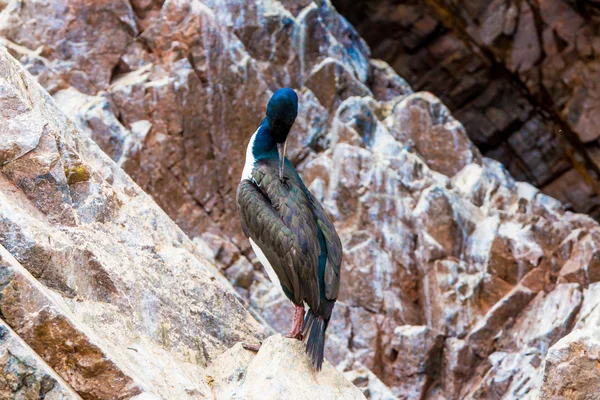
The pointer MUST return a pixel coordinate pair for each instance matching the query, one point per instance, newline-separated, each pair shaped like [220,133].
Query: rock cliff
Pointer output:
[102,296]
[521,75]
[458,280]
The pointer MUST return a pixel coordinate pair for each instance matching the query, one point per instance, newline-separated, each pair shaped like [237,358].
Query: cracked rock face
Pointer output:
[522,76]
[24,374]
[458,281]
[95,279]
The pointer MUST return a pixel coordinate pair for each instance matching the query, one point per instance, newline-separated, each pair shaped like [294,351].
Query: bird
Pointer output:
[288,228]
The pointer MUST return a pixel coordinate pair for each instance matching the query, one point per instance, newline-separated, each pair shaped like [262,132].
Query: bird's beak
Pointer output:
[281,148]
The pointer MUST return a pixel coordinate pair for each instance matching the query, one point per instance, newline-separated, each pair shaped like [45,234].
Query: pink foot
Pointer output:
[296,332]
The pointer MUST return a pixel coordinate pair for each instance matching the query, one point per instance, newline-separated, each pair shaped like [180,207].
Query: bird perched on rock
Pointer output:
[288,228]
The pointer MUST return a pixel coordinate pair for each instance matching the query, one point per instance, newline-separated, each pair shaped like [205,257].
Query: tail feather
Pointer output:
[313,331]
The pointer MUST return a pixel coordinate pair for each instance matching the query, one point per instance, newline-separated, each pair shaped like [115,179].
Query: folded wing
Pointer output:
[279,219]
[334,249]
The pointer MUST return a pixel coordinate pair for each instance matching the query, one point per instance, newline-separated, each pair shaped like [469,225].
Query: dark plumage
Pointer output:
[289,226]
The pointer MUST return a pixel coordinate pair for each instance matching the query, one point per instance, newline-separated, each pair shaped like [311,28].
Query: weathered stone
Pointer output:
[440,283]
[546,318]
[98,267]
[445,148]
[95,117]
[67,348]
[458,362]
[385,84]
[583,262]
[369,384]
[514,252]
[24,374]
[23,125]
[369,261]
[572,189]
[414,355]
[483,334]
[438,240]
[520,77]
[358,331]
[281,369]
[571,367]
[589,314]
[509,376]
[69,35]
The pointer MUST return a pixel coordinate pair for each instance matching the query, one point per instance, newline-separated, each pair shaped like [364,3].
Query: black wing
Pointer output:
[334,248]
[279,219]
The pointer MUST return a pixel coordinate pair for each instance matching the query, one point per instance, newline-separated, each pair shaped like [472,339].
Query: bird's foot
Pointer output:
[296,332]
[294,335]
[251,346]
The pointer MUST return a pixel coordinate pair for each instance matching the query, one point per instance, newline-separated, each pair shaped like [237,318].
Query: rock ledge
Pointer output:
[280,370]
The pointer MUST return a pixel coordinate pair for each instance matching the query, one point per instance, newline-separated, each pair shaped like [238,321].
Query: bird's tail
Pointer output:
[313,331]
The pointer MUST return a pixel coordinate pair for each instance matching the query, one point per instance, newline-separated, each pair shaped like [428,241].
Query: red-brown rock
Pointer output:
[458,280]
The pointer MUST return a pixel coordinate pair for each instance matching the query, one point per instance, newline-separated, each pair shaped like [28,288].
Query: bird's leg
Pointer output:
[295,333]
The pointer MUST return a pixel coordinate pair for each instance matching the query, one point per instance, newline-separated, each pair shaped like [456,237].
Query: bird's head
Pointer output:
[281,114]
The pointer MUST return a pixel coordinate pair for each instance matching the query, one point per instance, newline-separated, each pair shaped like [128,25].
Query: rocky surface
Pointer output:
[94,276]
[458,280]
[279,371]
[572,367]
[24,374]
[521,76]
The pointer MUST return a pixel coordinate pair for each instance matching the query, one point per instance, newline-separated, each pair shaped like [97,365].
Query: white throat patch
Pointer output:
[250,160]
[247,174]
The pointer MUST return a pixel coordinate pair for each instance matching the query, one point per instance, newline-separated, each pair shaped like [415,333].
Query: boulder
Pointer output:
[571,367]
[280,370]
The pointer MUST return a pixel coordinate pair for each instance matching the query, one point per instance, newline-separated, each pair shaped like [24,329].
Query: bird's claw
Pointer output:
[293,335]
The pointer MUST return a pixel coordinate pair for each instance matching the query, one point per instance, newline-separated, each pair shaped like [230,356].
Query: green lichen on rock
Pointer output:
[77,173]
[163,332]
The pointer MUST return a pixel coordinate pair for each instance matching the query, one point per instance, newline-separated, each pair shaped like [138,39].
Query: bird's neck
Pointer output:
[265,145]
[262,146]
